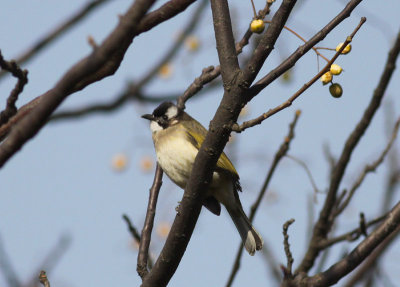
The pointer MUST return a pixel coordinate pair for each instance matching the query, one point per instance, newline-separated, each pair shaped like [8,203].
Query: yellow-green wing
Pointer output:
[197,135]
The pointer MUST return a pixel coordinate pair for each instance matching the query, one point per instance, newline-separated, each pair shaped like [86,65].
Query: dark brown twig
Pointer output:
[323,225]
[136,236]
[43,279]
[132,229]
[22,76]
[352,235]
[282,151]
[286,245]
[143,255]
[368,169]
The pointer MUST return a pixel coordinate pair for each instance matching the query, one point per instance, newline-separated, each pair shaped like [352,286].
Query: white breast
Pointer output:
[176,157]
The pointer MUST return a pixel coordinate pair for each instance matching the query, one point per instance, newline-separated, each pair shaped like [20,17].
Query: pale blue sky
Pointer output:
[61,181]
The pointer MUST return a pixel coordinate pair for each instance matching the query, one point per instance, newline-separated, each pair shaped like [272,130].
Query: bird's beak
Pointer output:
[149,117]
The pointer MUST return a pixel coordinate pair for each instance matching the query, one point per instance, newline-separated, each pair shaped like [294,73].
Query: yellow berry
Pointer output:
[165,71]
[257,26]
[336,90]
[119,162]
[326,78]
[336,69]
[345,50]
[163,229]
[146,164]
[192,43]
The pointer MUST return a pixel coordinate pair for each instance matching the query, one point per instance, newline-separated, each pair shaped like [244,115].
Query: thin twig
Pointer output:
[256,121]
[383,232]
[143,255]
[132,229]
[136,236]
[352,235]
[22,76]
[256,88]
[368,169]
[307,170]
[286,245]
[304,40]
[282,151]
[324,224]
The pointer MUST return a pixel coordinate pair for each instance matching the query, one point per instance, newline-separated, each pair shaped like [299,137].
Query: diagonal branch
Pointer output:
[358,254]
[258,120]
[102,62]
[323,225]
[57,32]
[368,169]
[150,20]
[292,59]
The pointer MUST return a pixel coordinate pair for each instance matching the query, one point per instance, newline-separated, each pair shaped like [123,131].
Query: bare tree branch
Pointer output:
[58,31]
[368,169]
[358,254]
[136,236]
[288,253]
[323,225]
[288,102]
[292,59]
[143,255]
[102,62]
[22,76]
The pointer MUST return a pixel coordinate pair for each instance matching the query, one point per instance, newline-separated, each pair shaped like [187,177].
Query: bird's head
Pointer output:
[164,116]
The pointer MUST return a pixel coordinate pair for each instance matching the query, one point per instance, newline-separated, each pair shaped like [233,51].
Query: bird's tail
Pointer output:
[252,240]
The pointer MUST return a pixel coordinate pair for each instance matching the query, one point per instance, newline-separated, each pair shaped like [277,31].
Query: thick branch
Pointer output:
[102,62]
[57,32]
[225,43]
[352,260]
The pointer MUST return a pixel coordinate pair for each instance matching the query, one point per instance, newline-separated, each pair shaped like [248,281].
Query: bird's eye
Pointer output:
[165,117]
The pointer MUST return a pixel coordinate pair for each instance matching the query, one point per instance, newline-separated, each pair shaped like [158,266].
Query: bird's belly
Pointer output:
[176,157]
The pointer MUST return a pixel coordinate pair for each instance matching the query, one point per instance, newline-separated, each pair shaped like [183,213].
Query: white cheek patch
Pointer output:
[172,112]
[155,127]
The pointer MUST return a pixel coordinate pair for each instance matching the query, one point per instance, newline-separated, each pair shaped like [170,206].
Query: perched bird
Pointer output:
[177,138]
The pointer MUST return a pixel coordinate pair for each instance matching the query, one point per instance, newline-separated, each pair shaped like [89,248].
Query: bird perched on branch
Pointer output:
[177,139]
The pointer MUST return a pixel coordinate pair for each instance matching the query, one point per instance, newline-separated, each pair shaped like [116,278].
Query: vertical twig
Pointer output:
[148,224]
